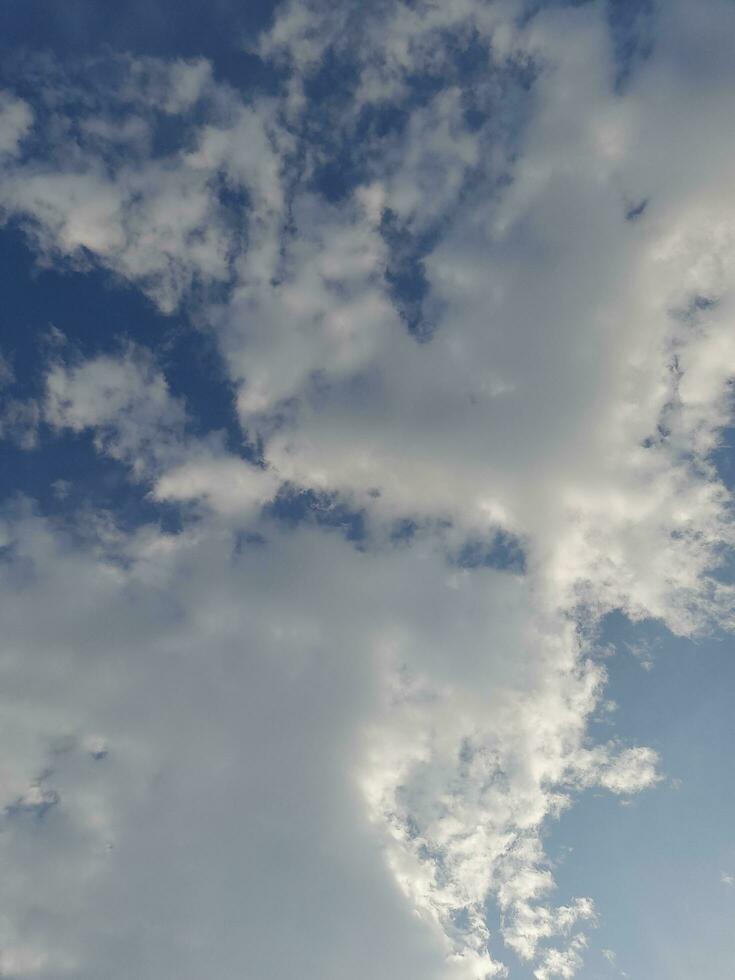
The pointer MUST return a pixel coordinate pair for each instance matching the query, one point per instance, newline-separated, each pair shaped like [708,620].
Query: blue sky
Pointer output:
[366,466]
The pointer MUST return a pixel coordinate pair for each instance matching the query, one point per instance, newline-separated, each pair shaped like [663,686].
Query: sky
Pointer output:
[367,451]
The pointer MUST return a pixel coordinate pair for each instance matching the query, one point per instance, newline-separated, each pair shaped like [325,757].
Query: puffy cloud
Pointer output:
[124,400]
[171,222]
[231,692]
[229,485]
[266,746]
[562,964]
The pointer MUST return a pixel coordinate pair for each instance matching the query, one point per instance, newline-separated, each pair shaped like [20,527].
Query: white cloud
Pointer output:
[230,486]
[126,402]
[562,964]
[323,760]
[253,681]
[158,221]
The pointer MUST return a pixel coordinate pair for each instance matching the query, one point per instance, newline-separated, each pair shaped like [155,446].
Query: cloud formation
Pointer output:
[461,288]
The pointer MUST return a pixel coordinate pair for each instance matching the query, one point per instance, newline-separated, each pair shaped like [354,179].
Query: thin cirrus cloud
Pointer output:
[463,293]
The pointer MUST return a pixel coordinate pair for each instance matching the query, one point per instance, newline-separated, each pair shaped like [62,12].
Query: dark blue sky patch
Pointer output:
[332,86]
[192,364]
[216,29]
[171,135]
[235,204]
[66,475]
[92,309]
[724,458]
[348,156]
[636,211]
[97,313]
[503,552]
[405,273]
[340,159]
[403,531]
[294,505]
